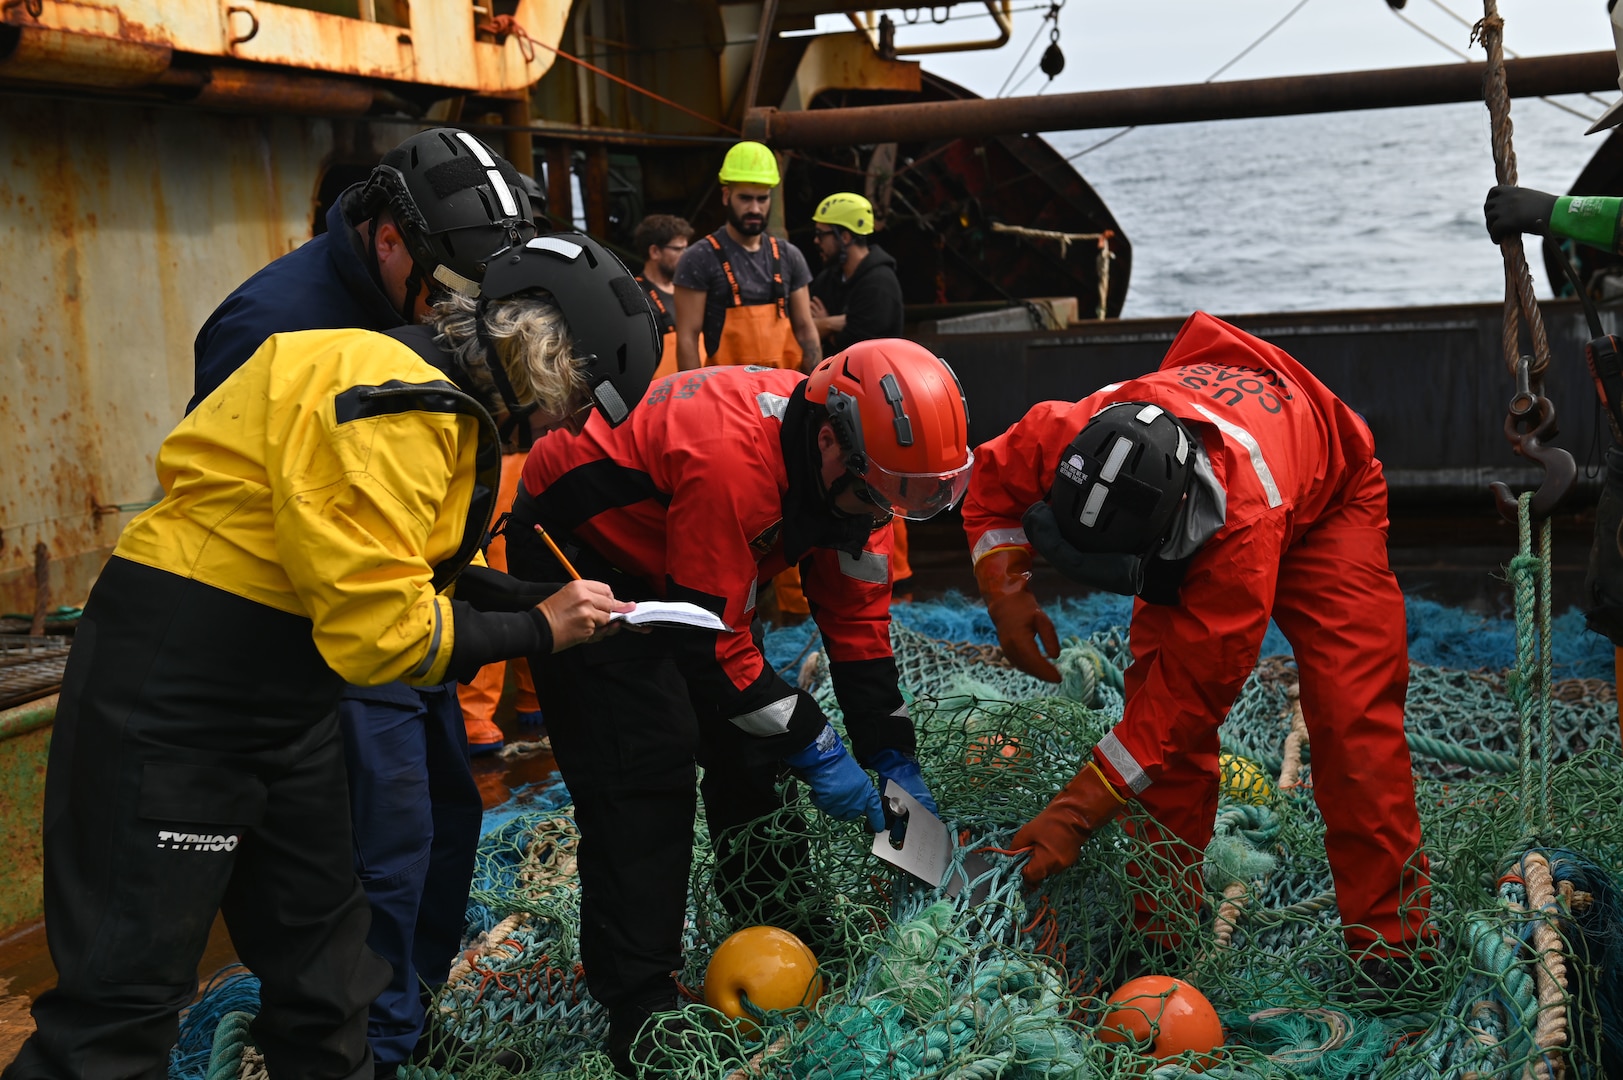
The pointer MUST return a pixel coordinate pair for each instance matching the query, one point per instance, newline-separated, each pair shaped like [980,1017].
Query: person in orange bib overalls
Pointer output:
[746,292]
[744,297]
[662,238]
[1226,487]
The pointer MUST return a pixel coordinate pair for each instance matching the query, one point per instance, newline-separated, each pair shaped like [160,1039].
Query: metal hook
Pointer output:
[1560,470]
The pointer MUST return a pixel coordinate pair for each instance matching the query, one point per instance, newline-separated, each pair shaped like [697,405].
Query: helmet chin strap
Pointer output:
[880,516]
[414,285]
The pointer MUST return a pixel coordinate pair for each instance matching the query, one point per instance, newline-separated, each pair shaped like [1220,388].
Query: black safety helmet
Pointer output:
[457,202]
[1122,479]
[608,315]
[538,203]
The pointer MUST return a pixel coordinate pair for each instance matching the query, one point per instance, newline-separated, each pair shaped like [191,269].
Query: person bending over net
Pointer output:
[1225,488]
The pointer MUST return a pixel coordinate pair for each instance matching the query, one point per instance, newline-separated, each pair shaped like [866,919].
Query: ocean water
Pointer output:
[1363,209]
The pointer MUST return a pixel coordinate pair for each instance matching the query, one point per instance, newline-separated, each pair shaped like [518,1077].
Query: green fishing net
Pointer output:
[978,979]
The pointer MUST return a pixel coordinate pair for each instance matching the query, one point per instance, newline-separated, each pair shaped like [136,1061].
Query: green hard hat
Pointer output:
[848,210]
[749,163]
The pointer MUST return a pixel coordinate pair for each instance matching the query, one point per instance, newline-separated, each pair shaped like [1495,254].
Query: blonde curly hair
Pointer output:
[532,339]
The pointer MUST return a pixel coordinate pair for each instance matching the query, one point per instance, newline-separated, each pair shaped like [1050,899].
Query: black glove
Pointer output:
[1514,210]
[484,637]
[491,590]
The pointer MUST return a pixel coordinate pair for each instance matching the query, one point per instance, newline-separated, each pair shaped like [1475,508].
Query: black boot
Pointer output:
[636,1046]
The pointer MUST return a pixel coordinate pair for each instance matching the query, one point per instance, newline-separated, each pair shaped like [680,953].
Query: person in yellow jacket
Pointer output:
[744,290]
[321,511]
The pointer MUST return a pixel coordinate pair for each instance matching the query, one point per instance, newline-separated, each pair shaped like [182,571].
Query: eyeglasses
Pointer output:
[820,233]
[683,246]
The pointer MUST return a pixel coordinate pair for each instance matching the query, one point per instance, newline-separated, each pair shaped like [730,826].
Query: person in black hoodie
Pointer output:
[857,297]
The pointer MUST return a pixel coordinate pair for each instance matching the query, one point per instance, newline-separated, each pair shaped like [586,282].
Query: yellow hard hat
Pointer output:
[749,163]
[848,210]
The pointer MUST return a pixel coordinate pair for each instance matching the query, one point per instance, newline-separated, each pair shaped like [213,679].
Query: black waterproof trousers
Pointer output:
[627,734]
[196,766]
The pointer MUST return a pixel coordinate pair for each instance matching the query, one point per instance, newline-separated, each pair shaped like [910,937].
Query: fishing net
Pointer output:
[978,979]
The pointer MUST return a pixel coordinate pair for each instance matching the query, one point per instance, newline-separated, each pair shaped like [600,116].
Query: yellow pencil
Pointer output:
[561,557]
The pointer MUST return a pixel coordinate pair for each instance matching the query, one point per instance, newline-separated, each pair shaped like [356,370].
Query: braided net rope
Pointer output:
[979,979]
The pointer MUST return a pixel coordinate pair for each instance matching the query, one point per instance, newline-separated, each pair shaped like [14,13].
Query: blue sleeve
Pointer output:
[231,335]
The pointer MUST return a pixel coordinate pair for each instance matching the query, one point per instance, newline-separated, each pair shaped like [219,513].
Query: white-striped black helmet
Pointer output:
[607,311]
[1121,480]
[457,202]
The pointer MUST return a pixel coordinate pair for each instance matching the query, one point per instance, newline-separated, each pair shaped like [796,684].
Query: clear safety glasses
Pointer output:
[917,496]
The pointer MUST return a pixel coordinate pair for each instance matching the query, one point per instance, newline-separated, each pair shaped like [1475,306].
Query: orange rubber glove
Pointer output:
[1004,576]
[1055,836]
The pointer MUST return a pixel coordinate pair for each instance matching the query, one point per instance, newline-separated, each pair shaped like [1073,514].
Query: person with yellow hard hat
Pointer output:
[857,297]
[740,288]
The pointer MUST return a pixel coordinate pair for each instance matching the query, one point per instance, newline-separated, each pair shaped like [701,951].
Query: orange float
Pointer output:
[1163,1017]
[994,750]
[769,966]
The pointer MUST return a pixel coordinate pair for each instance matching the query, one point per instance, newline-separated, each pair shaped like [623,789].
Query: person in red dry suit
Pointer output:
[1226,487]
[721,478]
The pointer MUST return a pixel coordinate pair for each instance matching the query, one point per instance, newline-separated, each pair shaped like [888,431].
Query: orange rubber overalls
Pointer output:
[667,329]
[480,697]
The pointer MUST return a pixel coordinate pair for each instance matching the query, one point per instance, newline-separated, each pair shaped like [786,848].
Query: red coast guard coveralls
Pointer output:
[1304,541]
[686,501]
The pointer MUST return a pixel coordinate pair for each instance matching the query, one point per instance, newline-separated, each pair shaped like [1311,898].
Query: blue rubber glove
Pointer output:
[840,788]
[895,765]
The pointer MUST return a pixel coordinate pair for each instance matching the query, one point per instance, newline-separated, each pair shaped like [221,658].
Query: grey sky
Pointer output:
[1115,43]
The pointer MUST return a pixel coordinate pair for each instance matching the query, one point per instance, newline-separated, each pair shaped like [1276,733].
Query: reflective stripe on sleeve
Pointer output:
[870,566]
[426,664]
[1123,762]
[997,538]
[772,405]
[770,719]
[1252,449]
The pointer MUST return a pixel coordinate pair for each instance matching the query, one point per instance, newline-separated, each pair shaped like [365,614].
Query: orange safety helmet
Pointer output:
[899,414]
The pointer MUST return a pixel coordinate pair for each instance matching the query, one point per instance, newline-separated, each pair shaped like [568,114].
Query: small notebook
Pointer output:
[670,613]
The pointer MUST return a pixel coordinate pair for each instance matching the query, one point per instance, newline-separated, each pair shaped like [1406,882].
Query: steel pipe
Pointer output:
[926,121]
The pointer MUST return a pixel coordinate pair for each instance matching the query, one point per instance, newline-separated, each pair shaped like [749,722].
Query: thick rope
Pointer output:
[231,1040]
[1101,263]
[1290,775]
[1063,239]
[1523,678]
[498,934]
[1549,968]
[1519,297]
[1228,913]
[1546,671]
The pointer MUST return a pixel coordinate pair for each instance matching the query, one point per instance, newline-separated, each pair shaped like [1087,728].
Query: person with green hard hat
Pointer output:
[858,296]
[742,288]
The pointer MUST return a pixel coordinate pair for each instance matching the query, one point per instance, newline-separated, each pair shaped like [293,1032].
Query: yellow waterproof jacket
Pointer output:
[335,475]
